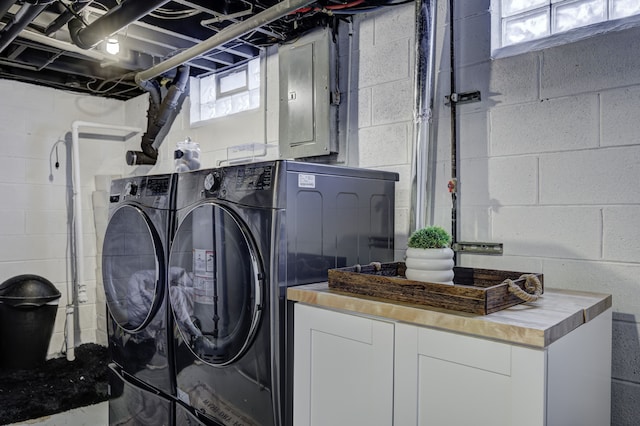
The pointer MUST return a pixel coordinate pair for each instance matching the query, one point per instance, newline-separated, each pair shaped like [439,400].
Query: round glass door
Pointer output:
[215,284]
[132,264]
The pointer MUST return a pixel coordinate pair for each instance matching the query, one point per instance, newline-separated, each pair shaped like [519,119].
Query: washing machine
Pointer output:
[244,234]
[134,270]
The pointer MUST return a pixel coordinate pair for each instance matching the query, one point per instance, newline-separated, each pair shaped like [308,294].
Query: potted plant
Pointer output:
[429,257]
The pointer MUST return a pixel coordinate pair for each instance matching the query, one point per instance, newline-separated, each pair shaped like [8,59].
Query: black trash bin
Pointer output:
[28,306]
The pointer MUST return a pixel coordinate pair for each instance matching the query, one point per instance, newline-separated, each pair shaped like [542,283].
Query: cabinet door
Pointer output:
[462,380]
[343,369]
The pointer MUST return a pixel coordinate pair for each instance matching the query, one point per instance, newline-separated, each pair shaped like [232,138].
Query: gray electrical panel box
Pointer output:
[309,99]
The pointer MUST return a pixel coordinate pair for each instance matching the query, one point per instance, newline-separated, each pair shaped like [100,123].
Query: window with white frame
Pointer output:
[223,94]
[525,21]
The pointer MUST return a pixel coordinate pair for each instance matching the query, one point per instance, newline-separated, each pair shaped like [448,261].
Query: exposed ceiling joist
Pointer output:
[37,45]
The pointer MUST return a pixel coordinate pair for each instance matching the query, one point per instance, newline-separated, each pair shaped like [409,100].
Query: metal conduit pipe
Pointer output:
[25,15]
[231,32]
[423,173]
[454,132]
[111,22]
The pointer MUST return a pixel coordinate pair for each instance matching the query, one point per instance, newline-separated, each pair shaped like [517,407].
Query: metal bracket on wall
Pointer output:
[478,248]
[462,98]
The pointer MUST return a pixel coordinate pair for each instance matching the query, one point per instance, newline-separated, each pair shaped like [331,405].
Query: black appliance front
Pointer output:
[187,416]
[246,233]
[134,278]
[222,337]
[133,403]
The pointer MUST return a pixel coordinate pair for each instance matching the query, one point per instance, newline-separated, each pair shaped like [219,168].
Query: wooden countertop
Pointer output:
[536,324]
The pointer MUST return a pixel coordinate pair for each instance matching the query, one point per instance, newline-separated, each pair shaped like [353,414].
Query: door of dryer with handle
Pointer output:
[222,335]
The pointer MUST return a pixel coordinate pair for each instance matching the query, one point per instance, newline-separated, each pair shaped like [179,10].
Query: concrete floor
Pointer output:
[92,415]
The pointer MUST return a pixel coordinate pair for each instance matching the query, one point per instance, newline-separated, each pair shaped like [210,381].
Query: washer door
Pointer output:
[132,267]
[215,284]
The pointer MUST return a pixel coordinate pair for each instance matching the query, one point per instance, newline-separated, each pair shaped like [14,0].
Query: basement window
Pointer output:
[223,94]
[526,25]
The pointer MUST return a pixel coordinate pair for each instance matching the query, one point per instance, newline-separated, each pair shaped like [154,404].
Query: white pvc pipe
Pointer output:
[63,45]
[77,222]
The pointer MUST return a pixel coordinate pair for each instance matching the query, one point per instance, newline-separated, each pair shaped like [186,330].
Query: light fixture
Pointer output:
[112,45]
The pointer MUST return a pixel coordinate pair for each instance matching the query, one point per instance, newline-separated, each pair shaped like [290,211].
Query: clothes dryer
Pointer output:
[134,271]
[244,234]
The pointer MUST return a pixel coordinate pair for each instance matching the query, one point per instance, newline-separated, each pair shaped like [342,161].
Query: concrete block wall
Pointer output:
[549,161]
[383,64]
[34,215]
[549,167]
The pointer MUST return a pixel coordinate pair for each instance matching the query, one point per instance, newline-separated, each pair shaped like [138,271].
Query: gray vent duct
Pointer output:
[160,116]
[113,21]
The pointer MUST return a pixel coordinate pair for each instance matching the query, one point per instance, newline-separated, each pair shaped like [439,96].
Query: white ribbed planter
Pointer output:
[430,265]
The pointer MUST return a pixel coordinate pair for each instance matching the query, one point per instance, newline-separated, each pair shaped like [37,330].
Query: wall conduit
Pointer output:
[422,179]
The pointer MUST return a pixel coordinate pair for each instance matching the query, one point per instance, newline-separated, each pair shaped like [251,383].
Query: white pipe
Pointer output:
[63,45]
[229,33]
[77,222]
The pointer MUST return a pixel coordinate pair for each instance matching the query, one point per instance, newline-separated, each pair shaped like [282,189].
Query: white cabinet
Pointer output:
[351,369]
[343,369]
[444,378]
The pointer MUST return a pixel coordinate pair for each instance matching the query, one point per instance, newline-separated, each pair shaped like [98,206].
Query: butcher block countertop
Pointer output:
[537,324]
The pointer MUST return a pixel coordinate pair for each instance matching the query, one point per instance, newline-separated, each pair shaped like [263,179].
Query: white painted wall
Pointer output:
[34,219]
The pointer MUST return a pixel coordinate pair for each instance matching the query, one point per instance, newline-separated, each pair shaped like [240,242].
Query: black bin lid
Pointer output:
[28,290]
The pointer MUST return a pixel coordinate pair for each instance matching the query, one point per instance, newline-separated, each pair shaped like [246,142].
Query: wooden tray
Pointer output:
[479,291]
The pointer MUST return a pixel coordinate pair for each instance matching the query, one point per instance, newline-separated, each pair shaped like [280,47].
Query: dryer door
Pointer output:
[132,267]
[215,284]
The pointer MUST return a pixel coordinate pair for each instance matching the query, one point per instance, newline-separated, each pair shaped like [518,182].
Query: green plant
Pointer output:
[430,237]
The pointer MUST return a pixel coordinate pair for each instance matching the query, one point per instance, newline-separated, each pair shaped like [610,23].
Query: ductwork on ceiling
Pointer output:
[57,44]
[162,112]
[164,103]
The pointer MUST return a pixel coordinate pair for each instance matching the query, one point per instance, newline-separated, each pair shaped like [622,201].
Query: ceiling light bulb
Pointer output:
[112,46]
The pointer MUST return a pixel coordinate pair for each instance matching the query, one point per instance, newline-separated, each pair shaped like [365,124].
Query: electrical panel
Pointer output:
[309,98]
